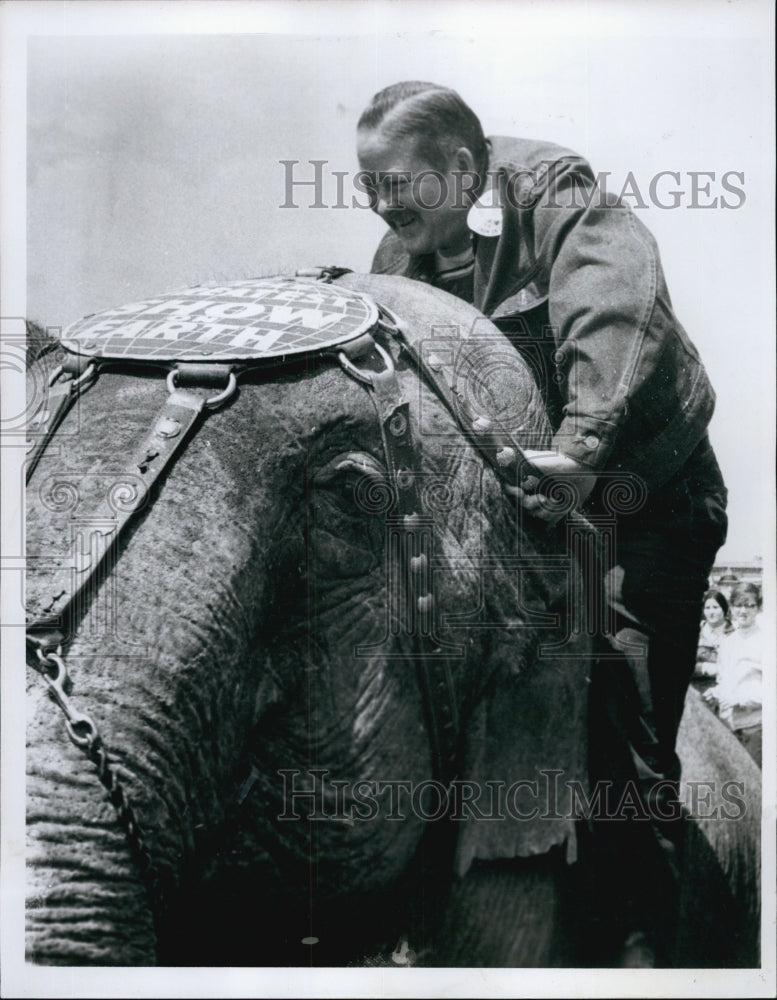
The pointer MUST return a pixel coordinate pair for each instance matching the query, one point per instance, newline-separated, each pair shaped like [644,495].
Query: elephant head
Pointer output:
[250,659]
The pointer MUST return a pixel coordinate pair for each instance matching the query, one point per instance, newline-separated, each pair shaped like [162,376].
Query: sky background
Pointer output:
[154,160]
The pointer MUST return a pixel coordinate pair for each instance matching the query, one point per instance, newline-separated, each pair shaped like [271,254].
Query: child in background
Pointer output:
[715,624]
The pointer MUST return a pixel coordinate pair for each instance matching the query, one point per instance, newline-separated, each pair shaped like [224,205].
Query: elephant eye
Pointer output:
[344,536]
[355,481]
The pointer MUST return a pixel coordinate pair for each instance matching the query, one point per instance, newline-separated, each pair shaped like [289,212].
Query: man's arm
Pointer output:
[604,275]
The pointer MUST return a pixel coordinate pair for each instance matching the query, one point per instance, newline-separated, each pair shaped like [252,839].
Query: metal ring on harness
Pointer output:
[391,322]
[214,401]
[360,375]
[89,373]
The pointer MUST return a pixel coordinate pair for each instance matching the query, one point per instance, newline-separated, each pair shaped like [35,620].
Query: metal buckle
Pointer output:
[214,401]
[359,374]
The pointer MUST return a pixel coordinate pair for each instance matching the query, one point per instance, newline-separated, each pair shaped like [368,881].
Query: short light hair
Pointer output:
[742,591]
[436,117]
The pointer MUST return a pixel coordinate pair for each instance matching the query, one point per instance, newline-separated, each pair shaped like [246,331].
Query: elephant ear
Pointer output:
[525,753]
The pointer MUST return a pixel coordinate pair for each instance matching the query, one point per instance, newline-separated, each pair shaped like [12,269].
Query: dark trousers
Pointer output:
[654,590]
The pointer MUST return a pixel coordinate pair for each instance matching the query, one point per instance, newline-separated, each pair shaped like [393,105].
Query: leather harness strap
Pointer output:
[450,367]
[410,560]
[81,371]
[202,338]
[70,579]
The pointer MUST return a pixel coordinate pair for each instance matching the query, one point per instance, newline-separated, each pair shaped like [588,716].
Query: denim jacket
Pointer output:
[575,274]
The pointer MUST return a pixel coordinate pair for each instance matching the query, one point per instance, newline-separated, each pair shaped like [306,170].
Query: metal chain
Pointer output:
[84,734]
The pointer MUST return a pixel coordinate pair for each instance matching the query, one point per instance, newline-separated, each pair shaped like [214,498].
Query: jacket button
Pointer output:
[591,441]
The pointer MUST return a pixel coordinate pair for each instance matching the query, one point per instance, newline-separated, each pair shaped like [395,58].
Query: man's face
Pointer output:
[425,207]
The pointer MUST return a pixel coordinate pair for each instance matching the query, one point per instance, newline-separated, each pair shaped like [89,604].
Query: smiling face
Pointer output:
[425,206]
[744,612]
[713,612]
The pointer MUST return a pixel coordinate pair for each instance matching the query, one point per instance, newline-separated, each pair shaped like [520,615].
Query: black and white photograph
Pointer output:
[388,498]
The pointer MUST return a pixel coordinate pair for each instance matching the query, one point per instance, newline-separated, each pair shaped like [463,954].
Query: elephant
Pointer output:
[249,655]
[720,902]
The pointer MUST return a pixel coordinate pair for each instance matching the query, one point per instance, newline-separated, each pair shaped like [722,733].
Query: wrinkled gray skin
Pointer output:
[241,595]
[720,903]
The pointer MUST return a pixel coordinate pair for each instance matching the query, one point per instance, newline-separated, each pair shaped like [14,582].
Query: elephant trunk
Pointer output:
[163,658]
[158,732]
[80,868]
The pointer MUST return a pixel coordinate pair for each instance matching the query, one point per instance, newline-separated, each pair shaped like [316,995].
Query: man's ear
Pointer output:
[463,159]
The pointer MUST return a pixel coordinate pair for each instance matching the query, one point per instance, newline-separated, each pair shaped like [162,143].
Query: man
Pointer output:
[518,228]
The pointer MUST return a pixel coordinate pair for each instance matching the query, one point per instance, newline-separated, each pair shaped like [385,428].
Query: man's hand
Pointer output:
[570,486]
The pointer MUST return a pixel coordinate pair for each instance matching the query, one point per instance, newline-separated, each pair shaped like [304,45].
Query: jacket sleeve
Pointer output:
[603,272]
